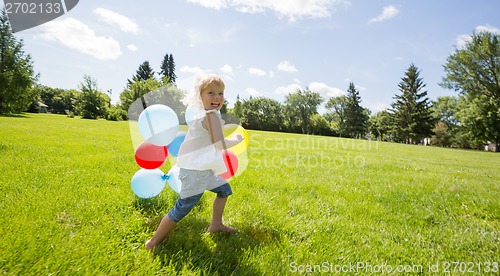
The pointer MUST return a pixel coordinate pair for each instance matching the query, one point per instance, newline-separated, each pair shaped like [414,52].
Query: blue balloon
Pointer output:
[174,147]
[173,179]
[189,115]
[148,183]
[158,124]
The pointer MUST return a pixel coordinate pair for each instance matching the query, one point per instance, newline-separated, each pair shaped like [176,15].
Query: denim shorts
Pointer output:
[183,206]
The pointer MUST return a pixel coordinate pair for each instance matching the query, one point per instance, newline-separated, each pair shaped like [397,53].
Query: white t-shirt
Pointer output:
[197,152]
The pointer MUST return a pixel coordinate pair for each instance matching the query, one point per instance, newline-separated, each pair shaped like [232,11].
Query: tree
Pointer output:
[69,99]
[237,107]
[168,67]
[152,91]
[442,136]
[136,90]
[336,114]
[92,103]
[480,120]
[17,75]
[52,97]
[116,113]
[262,113]
[318,125]
[299,107]
[356,118]
[411,113]
[474,72]
[445,109]
[223,109]
[168,94]
[380,125]
[144,72]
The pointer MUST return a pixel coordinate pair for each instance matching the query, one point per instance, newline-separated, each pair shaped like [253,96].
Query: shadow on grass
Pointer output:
[14,115]
[151,207]
[191,247]
[154,209]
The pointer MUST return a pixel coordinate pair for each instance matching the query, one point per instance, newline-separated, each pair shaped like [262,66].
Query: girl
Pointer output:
[200,158]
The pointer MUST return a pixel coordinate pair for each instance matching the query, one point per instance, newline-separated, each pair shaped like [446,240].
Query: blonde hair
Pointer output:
[193,99]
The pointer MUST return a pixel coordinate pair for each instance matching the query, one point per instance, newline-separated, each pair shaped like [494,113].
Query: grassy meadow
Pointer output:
[305,204]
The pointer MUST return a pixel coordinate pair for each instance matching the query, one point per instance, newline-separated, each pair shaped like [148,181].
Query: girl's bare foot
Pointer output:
[221,228]
[166,226]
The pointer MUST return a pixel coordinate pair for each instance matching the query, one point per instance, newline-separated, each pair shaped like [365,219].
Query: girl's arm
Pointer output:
[213,125]
[237,138]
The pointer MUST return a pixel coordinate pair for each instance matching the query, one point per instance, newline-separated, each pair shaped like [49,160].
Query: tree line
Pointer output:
[467,120]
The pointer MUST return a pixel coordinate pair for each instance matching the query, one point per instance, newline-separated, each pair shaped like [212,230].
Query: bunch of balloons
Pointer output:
[159,126]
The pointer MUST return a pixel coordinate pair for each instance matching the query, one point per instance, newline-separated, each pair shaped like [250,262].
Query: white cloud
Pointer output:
[487,28]
[285,66]
[256,72]
[204,35]
[464,38]
[213,4]
[228,33]
[132,47]
[290,9]
[325,90]
[194,36]
[230,101]
[115,19]
[192,70]
[388,13]
[360,87]
[285,90]
[227,69]
[271,74]
[253,92]
[377,106]
[76,35]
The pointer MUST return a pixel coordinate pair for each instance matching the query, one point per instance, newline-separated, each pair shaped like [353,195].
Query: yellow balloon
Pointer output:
[232,129]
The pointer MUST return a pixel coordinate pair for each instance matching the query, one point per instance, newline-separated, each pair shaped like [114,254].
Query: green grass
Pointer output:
[67,207]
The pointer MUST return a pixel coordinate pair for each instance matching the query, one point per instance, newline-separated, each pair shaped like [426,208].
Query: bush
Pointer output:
[117,114]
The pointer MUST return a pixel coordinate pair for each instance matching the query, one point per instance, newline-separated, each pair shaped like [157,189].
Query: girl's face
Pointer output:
[212,97]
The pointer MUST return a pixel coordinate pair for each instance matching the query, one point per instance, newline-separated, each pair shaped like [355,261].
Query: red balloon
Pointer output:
[150,156]
[231,162]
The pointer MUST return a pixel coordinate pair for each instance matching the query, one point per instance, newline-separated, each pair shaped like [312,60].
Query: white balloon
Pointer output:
[158,124]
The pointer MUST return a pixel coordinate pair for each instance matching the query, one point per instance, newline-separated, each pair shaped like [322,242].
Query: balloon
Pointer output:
[174,147]
[150,156]
[148,183]
[230,130]
[173,179]
[231,162]
[158,124]
[189,115]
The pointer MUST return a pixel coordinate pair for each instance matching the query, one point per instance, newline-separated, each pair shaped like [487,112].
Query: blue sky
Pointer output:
[260,47]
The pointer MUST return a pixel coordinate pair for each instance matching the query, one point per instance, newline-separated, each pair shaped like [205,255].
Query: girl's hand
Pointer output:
[239,137]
